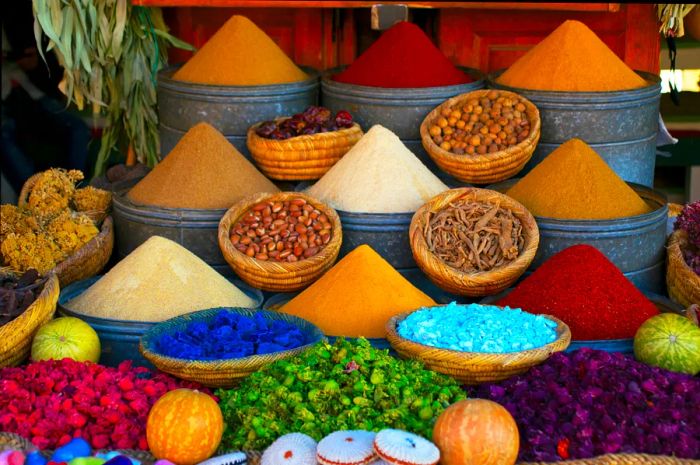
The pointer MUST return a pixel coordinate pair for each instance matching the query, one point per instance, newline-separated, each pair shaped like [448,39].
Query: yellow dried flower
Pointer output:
[30,250]
[16,220]
[91,199]
[53,191]
[71,231]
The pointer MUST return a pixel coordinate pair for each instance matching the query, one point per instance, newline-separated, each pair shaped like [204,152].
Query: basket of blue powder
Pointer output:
[477,343]
[219,346]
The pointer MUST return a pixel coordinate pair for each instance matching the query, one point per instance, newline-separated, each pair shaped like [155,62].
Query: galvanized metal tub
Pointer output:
[120,338]
[400,109]
[625,346]
[620,125]
[195,230]
[230,109]
[636,245]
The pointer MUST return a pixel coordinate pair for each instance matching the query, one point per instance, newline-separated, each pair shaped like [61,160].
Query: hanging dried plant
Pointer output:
[111,52]
[671,17]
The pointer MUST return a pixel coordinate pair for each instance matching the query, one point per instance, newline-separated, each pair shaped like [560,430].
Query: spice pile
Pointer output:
[377,175]
[403,57]
[285,231]
[158,280]
[573,59]
[313,120]
[240,54]
[344,386]
[203,171]
[483,125]
[575,183]
[50,402]
[585,290]
[587,403]
[689,221]
[357,296]
[17,293]
[231,335]
[54,223]
[474,236]
[478,328]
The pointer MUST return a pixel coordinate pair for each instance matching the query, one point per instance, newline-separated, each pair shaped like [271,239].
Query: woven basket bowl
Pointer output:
[488,168]
[96,216]
[219,373]
[17,335]
[682,282]
[475,283]
[278,276]
[90,259]
[303,157]
[475,367]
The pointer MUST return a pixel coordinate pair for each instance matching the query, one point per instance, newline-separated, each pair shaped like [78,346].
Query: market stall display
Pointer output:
[483,136]
[18,292]
[608,105]
[473,242]
[303,146]
[683,266]
[219,347]
[66,337]
[280,242]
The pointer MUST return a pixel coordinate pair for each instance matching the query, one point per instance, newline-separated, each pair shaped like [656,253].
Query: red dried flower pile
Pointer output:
[53,401]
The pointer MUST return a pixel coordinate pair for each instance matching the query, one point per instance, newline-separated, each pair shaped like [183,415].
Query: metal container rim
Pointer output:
[126,205]
[403,93]
[165,81]
[556,96]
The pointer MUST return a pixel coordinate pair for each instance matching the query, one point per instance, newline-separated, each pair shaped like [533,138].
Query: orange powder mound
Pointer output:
[357,296]
[572,58]
[240,54]
[203,171]
[575,183]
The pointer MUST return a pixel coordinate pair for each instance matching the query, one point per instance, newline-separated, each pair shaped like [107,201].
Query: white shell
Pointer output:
[290,449]
[396,446]
[346,448]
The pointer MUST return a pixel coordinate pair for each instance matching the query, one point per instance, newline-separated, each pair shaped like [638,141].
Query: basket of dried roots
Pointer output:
[473,242]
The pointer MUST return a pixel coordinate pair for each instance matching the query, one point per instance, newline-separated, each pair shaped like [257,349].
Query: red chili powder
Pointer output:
[585,290]
[403,57]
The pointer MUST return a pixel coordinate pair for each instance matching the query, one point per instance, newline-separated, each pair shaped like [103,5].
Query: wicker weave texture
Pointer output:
[488,168]
[301,158]
[476,283]
[90,259]
[474,367]
[682,282]
[278,276]
[219,373]
[17,335]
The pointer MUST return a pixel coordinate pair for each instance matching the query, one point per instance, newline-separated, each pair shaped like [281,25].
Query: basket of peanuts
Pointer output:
[482,137]
[280,242]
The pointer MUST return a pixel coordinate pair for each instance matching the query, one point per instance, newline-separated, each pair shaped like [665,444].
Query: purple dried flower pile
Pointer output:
[689,221]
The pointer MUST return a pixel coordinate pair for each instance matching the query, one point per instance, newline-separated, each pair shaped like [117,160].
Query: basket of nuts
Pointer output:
[481,137]
[280,242]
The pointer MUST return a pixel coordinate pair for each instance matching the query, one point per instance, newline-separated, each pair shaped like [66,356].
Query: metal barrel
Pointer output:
[195,230]
[636,244]
[402,110]
[119,339]
[230,109]
[621,126]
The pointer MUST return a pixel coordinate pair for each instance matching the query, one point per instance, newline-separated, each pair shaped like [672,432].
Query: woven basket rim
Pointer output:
[531,140]
[168,326]
[106,228]
[25,192]
[275,268]
[50,283]
[530,229]
[252,135]
[562,330]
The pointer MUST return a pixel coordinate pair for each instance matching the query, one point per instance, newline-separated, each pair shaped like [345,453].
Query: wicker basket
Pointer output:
[682,282]
[488,168]
[96,216]
[303,157]
[219,373]
[475,367]
[278,276]
[475,283]
[90,258]
[16,336]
